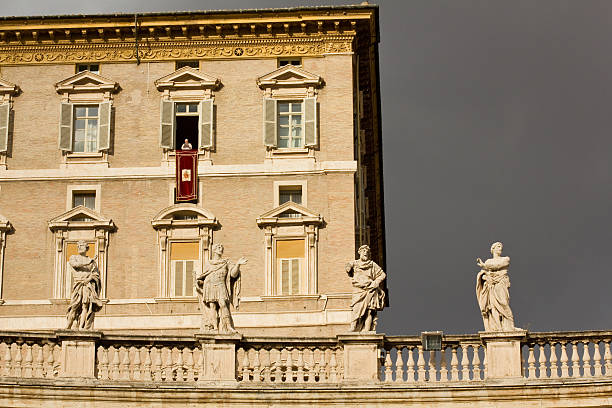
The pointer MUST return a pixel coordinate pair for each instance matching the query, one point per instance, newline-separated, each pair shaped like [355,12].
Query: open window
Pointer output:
[7,91]
[5,228]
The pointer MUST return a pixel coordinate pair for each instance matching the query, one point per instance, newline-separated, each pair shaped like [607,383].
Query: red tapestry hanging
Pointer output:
[186,175]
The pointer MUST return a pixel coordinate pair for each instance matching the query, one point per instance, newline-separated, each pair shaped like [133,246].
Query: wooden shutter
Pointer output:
[4,126]
[269,116]
[65,136]
[310,122]
[206,124]
[167,125]
[104,110]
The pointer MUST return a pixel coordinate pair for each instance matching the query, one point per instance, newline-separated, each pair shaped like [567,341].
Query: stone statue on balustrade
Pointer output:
[368,294]
[85,296]
[492,290]
[217,286]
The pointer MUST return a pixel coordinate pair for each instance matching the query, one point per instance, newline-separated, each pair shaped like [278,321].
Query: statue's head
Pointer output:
[496,248]
[217,249]
[364,253]
[82,247]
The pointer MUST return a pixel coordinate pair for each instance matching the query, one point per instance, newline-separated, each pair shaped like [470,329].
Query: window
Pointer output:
[184,259]
[289,61]
[290,124]
[290,257]
[95,68]
[187,118]
[290,193]
[85,199]
[85,129]
[192,64]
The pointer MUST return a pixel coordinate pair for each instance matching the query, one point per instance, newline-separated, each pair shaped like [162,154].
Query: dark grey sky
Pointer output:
[496,126]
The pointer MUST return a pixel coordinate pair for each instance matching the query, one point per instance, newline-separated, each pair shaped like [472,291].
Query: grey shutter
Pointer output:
[4,126]
[167,125]
[269,116]
[206,124]
[65,136]
[310,122]
[104,128]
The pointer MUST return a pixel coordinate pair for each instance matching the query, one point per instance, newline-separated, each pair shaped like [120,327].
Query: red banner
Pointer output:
[186,175]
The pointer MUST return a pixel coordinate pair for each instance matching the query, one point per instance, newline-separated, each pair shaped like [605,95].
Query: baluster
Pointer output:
[575,360]
[541,361]
[179,364]
[189,363]
[312,370]
[554,373]
[246,377]
[278,367]
[300,365]
[289,366]
[443,366]
[410,364]
[323,368]
[256,366]
[596,360]
[124,367]
[465,363]
[339,352]
[399,365]
[38,364]
[530,364]
[420,365]
[157,361]
[333,367]
[608,357]
[49,369]
[102,363]
[454,364]
[147,364]
[168,364]
[432,366]
[586,360]
[198,356]
[17,362]
[476,363]
[267,368]
[564,359]
[387,366]
[27,368]
[8,360]
[136,365]
[114,363]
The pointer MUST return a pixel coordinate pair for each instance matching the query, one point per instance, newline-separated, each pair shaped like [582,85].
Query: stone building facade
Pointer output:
[283,108]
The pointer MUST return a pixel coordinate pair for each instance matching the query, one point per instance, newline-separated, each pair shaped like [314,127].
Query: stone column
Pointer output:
[503,353]
[218,356]
[78,358]
[361,352]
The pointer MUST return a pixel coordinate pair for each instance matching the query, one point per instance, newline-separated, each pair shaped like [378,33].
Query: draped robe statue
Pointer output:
[217,286]
[85,296]
[368,296]
[492,284]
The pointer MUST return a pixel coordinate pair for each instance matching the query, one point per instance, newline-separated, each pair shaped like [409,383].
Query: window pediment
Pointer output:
[289,76]
[86,81]
[166,218]
[81,218]
[289,213]
[8,88]
[5,225]
[187,78]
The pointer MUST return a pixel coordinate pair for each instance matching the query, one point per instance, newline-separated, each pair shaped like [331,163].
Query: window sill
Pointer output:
[189,299]
[303,150]
[81,155]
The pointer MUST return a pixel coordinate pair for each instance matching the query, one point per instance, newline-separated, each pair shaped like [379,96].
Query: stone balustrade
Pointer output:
[371,358]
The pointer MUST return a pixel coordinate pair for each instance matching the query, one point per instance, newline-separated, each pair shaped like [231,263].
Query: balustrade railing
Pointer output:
[303,361]
[567,355]
[29,355]
[462,358]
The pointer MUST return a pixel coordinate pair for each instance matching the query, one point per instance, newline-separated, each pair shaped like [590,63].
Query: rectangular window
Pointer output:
[85,199]
[192,64]
[95,68]
[290,124]
[185,262]
[187,119]
[290,266]
[289,61]
[85,129]
[290,193]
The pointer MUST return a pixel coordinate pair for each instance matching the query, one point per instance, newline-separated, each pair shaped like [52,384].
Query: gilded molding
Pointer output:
[175,50]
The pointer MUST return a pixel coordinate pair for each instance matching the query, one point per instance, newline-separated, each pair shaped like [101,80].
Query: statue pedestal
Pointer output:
[218,356]
[78,358]
[361,362]
[503,353]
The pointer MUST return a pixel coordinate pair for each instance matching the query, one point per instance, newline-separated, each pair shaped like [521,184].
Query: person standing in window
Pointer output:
[186,145]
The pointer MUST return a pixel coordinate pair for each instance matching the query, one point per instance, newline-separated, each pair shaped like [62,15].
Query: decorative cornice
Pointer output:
[289,75]
[187,77]
[176,50]
[86,81]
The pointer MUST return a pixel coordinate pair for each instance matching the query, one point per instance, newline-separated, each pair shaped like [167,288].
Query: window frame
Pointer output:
[86,118]
[83,189]
[88,65]
[290,114]
[280,275]
[172,271]
[289,61]
[302,184]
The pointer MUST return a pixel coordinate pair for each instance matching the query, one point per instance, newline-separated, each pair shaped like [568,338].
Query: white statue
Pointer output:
[217,286]
[368,295]
[492,284]
[85,296]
